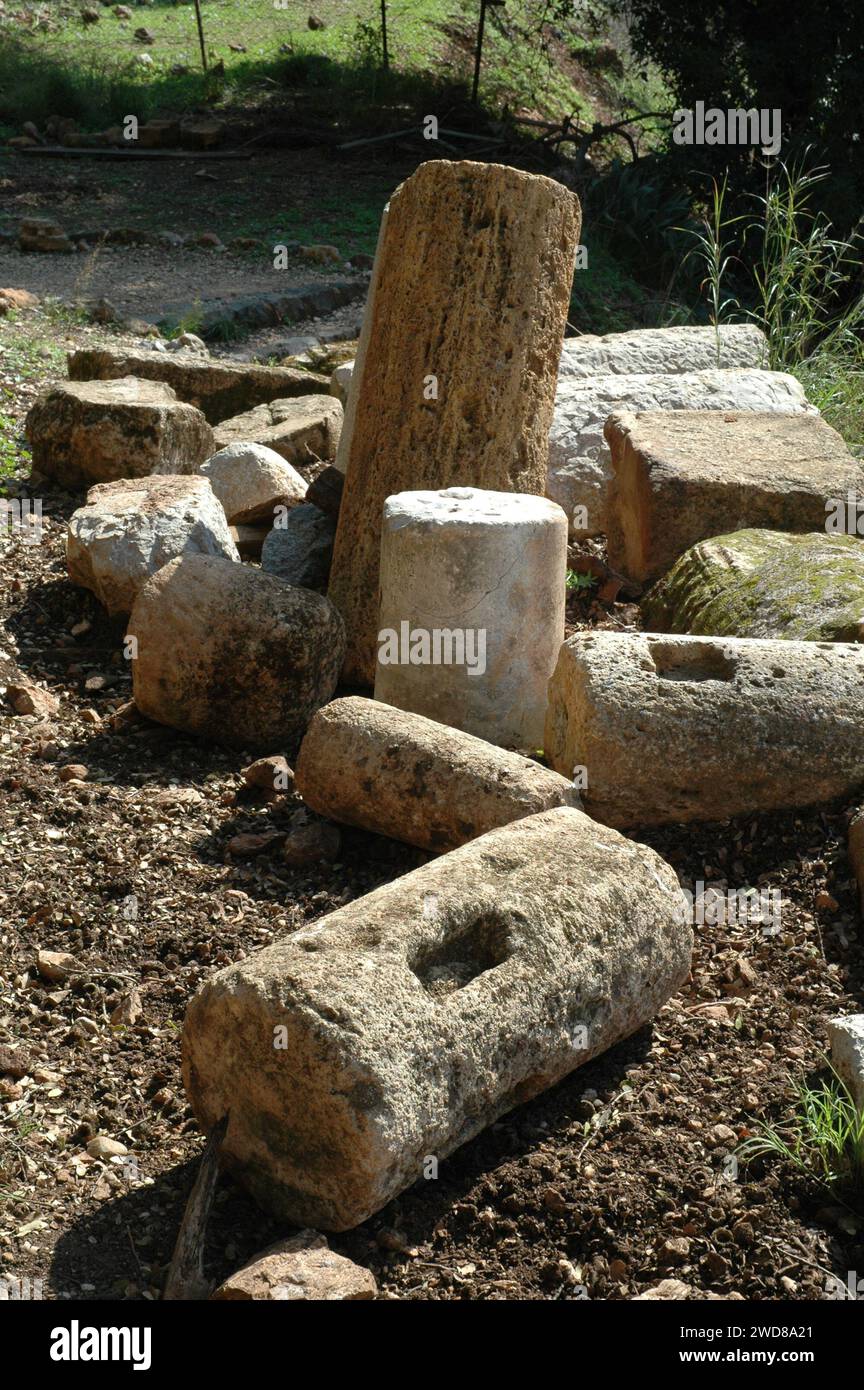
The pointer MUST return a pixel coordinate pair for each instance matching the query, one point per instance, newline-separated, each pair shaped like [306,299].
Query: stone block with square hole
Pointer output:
[702,728]
[355,1053]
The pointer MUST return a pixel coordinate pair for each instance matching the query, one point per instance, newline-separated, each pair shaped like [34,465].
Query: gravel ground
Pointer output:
[612,1181]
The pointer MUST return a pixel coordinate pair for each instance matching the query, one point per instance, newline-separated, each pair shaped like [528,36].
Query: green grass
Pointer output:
[835,383]
[607,298]
[94,72]
[575,581]
[10,456]
[823,1139]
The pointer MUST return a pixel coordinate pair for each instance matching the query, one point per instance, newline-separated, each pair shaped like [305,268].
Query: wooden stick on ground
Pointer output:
[186,1275]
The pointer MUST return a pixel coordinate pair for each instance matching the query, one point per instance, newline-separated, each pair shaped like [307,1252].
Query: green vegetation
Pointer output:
[802,290]
[95,73]
[577,582]
[823,1139]
[835,383]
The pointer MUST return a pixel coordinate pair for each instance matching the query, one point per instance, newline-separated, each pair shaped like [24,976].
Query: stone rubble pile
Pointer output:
[219,389]
[410,550]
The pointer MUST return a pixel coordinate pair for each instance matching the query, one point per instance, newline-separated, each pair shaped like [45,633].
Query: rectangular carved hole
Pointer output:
[443,967]
[691,661]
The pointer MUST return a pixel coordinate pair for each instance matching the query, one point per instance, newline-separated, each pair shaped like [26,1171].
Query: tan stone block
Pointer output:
[101,431]
[398,1027]
[365,763]
[682,476]
[703,728]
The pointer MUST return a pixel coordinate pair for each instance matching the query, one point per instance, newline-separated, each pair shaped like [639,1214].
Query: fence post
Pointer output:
[201,34]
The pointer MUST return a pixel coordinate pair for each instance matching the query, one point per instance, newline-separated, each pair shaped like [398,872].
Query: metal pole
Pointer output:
[201,34]
[478,52]
[385,54]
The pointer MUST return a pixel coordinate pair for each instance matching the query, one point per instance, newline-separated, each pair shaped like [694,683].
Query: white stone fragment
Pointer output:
[472,609]
[847,1053]
[130,528]
[663,350]
[251,480]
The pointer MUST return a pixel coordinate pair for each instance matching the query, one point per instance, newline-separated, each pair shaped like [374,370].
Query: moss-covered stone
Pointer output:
[758,583]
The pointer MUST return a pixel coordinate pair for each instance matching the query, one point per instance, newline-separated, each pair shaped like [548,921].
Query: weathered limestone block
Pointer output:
[99,431]
[302,430]
[236,655]
[682,476]
[129,529]
[367,764]
[42,234]
[657,350]
[580,468]
[301,1268]
[472,609]
[299,549]
[808,588]
[219,389]
[702,728]
[251,481]
[400,1026]
[454,378]
[847,1053]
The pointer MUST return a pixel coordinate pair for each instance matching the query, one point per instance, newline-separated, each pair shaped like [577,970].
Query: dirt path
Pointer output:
[301,196]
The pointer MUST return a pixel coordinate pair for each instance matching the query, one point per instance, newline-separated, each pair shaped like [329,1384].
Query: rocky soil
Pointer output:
[611,1182]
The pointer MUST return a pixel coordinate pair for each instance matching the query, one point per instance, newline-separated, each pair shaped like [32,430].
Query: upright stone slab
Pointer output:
[398,1027]
[702,728]
[472,609]
[454,380]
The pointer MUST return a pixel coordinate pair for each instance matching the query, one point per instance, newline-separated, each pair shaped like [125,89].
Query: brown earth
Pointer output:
[612,1181]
